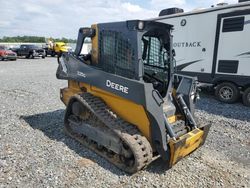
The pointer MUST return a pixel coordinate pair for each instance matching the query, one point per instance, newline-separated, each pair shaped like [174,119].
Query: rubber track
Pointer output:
[127,132]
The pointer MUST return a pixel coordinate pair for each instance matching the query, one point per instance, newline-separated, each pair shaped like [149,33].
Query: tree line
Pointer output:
[35,39]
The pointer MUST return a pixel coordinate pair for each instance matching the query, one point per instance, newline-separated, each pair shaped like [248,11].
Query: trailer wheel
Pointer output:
[246,97]
[227,92]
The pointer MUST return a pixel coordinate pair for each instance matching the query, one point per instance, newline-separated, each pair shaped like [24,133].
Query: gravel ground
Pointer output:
[35,152]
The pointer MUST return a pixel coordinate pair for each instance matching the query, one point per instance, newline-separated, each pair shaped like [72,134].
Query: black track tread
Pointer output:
[127,132]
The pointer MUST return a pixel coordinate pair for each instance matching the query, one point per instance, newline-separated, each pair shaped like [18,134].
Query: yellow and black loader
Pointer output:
[125,100]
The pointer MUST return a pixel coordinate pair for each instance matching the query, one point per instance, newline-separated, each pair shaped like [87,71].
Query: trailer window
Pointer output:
[228,66]
[233,24]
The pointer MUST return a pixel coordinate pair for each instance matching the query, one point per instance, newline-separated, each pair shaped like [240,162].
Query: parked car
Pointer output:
[5,53]
[30,51]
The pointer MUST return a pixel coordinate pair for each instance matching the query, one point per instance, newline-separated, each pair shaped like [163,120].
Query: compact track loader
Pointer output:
[125,101]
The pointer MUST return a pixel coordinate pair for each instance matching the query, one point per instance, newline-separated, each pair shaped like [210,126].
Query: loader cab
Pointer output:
[136,49]
[157,57]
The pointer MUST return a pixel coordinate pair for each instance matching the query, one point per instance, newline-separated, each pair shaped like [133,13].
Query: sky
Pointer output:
[63,18]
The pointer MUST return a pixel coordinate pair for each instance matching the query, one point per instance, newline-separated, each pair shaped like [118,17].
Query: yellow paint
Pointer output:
[69,91]
[191,140]
[174,92]
[172,119]
[94,51]
[60,47]
[136,115]
[129,111]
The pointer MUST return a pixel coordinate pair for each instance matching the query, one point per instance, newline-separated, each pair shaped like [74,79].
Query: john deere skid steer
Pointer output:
[125,101]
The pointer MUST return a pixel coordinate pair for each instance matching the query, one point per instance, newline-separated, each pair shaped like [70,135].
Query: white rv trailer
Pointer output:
[214,45]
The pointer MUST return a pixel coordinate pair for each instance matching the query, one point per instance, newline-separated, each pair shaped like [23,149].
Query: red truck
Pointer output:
[5,53]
